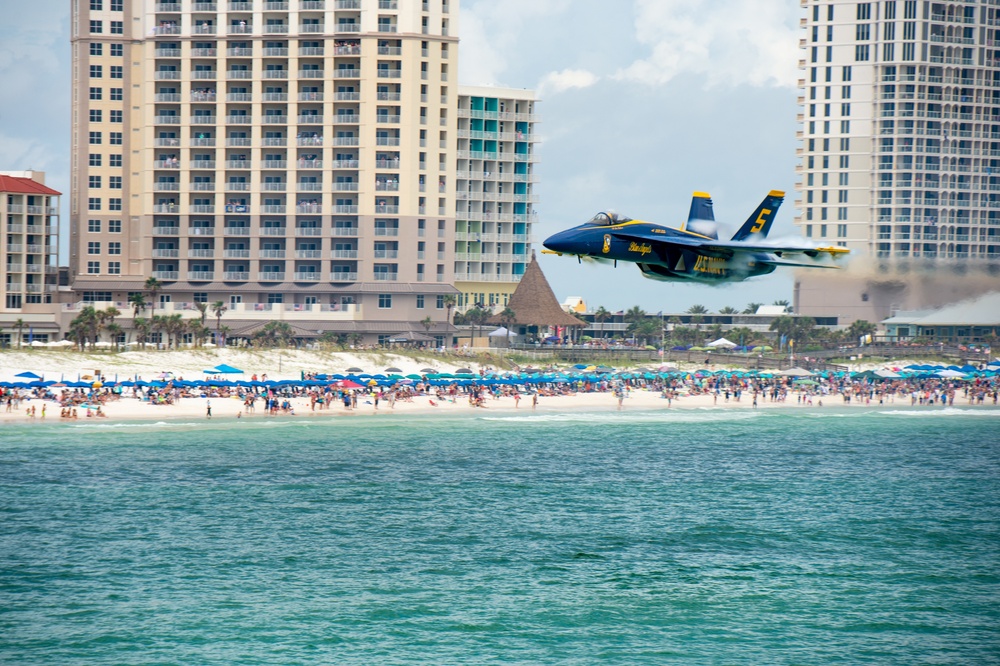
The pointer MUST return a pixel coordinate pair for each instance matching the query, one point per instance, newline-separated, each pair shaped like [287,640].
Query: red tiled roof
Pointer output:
[24,186]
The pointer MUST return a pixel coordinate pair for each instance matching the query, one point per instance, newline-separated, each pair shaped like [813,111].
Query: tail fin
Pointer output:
[701,218]
[759,222]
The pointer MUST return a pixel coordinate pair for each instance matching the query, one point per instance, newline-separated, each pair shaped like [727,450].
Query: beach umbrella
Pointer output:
[224,369]
[355,370]
[461,371]
[28,375]
[393,369]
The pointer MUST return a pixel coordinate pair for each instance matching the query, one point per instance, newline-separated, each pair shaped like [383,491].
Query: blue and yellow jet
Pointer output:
[694,252]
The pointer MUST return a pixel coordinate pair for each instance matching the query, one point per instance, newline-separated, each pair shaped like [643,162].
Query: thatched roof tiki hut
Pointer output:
[536,309]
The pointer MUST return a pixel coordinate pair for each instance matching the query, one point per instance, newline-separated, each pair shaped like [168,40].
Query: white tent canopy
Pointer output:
[793,372]
[502,333]
[722,342]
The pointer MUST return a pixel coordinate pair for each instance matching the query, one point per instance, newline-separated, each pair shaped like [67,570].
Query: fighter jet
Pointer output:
[694,252]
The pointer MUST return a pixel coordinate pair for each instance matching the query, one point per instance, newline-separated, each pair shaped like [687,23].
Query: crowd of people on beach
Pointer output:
[486,389]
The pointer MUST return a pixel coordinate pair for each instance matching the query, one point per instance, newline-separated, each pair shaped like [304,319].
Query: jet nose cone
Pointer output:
[559,242]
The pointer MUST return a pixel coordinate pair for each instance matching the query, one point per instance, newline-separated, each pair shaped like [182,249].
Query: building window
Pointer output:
[116,71]
[96,5]
[117,5]
[94,226]
[95,115]
[864,11]
[845,161]
[93,182]
[96,49]
[96,27]
[96,94]
[94,247]
[115,247]
[384,301]
[909,51]
[114,204]
[841,213]
[440,302]
[861,52]
[116,94]
[862,32]
[115,139]
[117,50]
[200,297]
[117,28]
[114,226]
[114,268]
[845,126]
[96,71]
[95,138]
[275,298]
[845,109]
[809,231]
[116,116]
[888,52]
[115,182]
[93,267]
[95,160]
[841,231]
[420,301]
[114,160]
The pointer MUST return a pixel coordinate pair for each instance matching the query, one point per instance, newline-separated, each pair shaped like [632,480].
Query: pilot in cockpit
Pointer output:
[607,218]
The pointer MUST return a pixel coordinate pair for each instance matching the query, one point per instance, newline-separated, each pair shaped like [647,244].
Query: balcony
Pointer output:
[276,51]
[310,97]
[274,141]
[345,186]
[168,7]
[311,50]
[276,97]
[309,187]
[270,276]
[386,277]
[345,210]
[345,164]
[386,254]
[348,27]
[166,187]
[235,231]
[275,73]
[309,141]
[204,53]
[239,52]
[202,164]
[166,253]
[276,29]
[239,74]
[167,53]
[203,29]
[308,231]
[308,276]
[274,210]
[273,186]
[384,209]
[241,29]
[312,4]
[311,73]
[167,97]
[200,276]
[309,208]
[236,254]
[390,73]
[272,254]
[165,208]
[386,231]
[203,186]
[166,231]
[202,231]
[344,254]
[167,120]
[311,28]
[347,96]
[274,120]
[345,141]
[165,275]
[236,276]
[342,276]
[387,140]
[349,232]
[310,164]
[203,141]
[238,97]
[167,75]
[201,253]
[310,120]
[202,96]
[346,119]
[308,254]
[276,6]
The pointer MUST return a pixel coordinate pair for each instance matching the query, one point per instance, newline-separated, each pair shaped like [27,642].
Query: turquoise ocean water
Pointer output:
[692,537]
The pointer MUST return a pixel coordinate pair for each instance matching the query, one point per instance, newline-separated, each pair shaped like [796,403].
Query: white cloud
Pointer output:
[567,79]
[727,42]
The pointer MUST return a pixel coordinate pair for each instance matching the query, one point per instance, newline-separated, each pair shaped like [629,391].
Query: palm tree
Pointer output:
[508,317]
[783,303]
[222,333]
[142,328]
[175,327]
[697,309]
[427,322]
[601,315]
[634,316]
[153,286]
[861,327]
[19,325]
[158,324]
[784,326]
[202,310]
[114,330]
[219,308]
[138,303]
[449,304]
[729,310]
[646,329]
[751,308]
[274,333]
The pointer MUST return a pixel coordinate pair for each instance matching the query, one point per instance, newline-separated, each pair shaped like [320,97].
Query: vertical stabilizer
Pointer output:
[759,222]
[701,218]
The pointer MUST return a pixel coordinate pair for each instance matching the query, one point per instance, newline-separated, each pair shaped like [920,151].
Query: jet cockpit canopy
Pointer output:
[607,218]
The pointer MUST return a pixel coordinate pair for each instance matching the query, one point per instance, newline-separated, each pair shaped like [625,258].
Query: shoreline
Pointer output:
[128,409]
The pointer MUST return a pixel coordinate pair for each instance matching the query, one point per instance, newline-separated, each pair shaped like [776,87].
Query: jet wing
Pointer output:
[726,249]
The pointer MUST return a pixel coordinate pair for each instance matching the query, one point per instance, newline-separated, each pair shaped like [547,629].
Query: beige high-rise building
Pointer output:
[495,193]
[291,158]
[900,156]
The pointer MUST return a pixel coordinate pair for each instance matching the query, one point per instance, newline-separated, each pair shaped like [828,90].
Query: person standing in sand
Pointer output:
[534,400]
[208,409]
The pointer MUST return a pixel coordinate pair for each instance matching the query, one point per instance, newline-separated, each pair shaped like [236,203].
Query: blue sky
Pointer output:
[642,102]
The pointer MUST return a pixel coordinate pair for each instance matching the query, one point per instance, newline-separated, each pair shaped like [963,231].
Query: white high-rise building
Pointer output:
[900,154]
[291,158]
